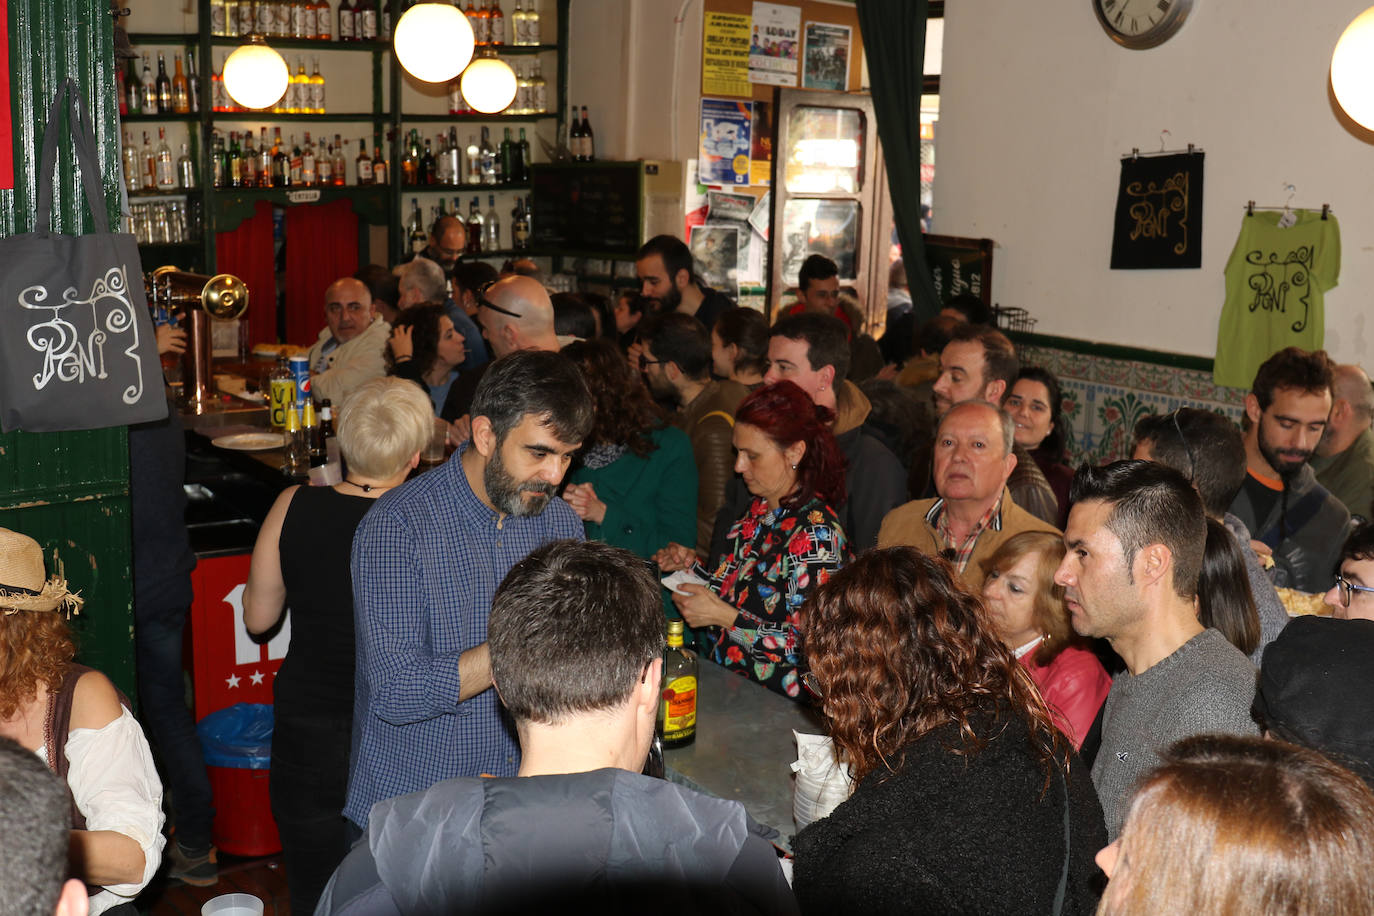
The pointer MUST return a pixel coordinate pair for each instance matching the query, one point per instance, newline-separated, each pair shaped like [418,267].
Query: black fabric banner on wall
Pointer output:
[1159,213]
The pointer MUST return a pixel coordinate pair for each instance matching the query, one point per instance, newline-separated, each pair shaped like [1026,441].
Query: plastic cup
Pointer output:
[232,905]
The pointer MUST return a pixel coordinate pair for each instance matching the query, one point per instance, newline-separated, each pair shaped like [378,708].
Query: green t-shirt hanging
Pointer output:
[1276,282]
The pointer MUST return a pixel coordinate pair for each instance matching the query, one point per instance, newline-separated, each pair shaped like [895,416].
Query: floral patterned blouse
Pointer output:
[777,557]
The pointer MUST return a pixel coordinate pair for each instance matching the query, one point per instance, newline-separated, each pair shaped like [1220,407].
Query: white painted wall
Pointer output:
[1037,105]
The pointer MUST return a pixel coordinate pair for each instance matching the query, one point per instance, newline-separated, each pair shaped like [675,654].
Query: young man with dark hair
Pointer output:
[676,359]
[1286,510]
[818,290]
[576,655]
[666,278]
[1135,543]
[1208,449]
[36,821]
[1352,595]
[426,561]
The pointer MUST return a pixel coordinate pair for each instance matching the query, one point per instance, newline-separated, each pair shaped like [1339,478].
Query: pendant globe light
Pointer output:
[255,76]
[433,41]
[1352,69]
[488,84]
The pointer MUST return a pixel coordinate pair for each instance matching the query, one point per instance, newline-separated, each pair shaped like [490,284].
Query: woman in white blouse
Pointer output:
[74,719]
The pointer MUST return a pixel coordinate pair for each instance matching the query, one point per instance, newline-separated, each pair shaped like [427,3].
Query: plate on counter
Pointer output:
[250,442]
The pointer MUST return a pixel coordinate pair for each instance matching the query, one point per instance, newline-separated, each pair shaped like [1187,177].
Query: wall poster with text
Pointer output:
[775,44]
[825,62]
[725,144]
[725,55]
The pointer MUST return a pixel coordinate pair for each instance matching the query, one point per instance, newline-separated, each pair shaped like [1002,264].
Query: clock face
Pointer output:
[1139,24]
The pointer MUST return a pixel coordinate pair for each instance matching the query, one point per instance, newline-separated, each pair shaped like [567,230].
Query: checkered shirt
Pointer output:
[938,518]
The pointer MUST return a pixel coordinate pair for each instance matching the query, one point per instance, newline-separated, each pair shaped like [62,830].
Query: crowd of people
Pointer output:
[1055,690]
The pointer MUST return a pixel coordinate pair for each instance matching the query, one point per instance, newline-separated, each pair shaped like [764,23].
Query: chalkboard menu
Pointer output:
[587,206]
[959,265]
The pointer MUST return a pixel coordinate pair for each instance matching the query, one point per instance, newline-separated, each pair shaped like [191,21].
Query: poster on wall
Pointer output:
[1158,223]
[725,144]
[715,255]
[732,211]
[825,62]
[775,44]
[761,168]
[725,55]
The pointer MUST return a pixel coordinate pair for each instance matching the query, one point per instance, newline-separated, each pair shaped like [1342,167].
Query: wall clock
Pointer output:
[1140,24]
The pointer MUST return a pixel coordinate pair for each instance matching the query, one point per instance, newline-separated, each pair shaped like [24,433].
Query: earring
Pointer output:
[794,467]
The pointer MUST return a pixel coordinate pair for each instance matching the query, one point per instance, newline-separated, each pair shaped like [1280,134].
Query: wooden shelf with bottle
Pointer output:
[164,118]
[464,188]
[477,118]
[302,44]
[267,117]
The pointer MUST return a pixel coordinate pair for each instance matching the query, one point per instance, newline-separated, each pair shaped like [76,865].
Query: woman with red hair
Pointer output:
[787,543]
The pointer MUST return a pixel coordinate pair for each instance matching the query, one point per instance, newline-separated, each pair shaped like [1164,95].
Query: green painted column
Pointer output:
[70,491]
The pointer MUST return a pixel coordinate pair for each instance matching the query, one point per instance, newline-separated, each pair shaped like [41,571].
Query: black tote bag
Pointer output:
[77,346]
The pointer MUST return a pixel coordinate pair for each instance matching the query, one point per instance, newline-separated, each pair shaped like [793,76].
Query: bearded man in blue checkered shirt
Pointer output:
[426,562]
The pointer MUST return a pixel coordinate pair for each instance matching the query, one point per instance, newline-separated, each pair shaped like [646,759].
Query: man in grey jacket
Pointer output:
[1135,542]
[576,640]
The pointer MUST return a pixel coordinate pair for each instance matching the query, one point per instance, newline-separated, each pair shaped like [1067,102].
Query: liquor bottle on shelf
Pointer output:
[281,162]
[165,173]
[508,171]
[309,27]
[147,165]
[488,154]
[235,161]
[454,157]
[474,227]
[249,169]
[266,23]
[539,91]
[324,164]
[121,88]
[519,226]
[381,174]
[246,19]
[588,138]
[491,227]
[133,182]
[521,103]
[296,164]
[298,90]
[418,238]
[441,172]
[367,20]
[219,171]
[323,20]
[532,23]
[192,82]
[217,18]
[410,162]
[481,25]
[263,169]
[364,163]
[186,169]
[497,28]
[474,165]
[339,167]
[149,87]
[348,21]
[522,156]
[219,98]
[309,173]
[677,715]
[316,89]
[428,165]
[133,91]
[518,24]
[231,18]
[529,215]
[456,103]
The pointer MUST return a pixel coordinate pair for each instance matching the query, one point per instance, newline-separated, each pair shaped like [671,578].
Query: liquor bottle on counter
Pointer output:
[133,182]
[309,171]
[149,89]
[428,165]
[474,227]
[418,238]
[588,138]
[295,456]
[323,20]
[488,160]
[532,23]
[281,389]
[186,169]
[364,162]
[314,440]
[496,30]
[348,21]
[491,227]
[509,171]
[519,227]
[316,89]
[539,91]
[338,168]
[164,86]
[381,173]
[327,434]
[677,716]
[474,167]
[192,83]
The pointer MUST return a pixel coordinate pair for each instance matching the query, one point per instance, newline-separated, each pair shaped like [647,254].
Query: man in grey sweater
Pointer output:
[1135,541]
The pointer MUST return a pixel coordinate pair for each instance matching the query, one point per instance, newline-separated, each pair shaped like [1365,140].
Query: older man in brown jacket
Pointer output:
[974,513]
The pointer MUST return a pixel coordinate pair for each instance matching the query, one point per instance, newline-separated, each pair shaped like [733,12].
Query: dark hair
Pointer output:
[901,649]
[632,299]
[674,253]
[816,267]
[535,383]
[786,414]
[601,309]
[1360,544]
[573,627]
[827,340]
[680,339]
[999,356]
[1311,372]
[1151,504]
[423,320]
[35,820]
[936,334]
[573,316]
[747,329]
[974,309]
[1224,599]
[1055,441]
[1205,446]
[470,276]
[625,413]
[382,284]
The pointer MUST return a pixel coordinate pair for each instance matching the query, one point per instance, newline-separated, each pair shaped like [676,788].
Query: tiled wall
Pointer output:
[1104,397]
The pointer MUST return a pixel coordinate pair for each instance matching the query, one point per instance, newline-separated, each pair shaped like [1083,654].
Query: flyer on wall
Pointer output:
[725,142]
[715,254]
[725,55]
[825,64]
[775,44]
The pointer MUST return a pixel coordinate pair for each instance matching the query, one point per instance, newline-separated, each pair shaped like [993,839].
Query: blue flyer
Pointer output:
[725,141]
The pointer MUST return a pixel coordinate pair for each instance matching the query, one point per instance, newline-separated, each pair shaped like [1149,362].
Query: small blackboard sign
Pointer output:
[587,206]
[960,265]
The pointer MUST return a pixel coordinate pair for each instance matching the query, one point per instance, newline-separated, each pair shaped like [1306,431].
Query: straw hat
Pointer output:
[22,585]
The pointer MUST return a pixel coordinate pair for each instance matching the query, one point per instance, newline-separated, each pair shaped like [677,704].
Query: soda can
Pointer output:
[300,371]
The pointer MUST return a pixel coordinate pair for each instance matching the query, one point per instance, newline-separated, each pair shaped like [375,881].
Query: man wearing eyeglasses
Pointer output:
[447,240]
[350,349]
[1352,595]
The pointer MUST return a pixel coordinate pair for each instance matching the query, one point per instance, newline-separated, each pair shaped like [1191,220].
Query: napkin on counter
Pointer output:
[821,783]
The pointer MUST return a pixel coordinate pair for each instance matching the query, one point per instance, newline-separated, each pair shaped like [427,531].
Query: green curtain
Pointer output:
[894,36]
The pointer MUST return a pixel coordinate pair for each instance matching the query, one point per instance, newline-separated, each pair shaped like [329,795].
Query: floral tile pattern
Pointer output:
[1104,397]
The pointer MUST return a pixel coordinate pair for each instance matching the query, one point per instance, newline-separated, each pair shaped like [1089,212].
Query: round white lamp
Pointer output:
[488,85]
[1352,69]
[255,76]
[433,41]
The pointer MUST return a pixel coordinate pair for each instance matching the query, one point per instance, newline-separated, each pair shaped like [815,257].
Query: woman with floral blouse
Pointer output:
[787,543]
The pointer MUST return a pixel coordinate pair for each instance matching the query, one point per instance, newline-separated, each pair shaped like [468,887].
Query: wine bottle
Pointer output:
[235,161]
[588,138]
[519,227]
[192,82]
[348,21]
[678,708]
[508,172]
[522,156]
[574,135]
[428,165]
[474,227]
[496,28]
[133,91]
[281,167]
[418,238]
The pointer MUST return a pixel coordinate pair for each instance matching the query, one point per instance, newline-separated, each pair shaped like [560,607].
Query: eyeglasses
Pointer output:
[645,362]
[812,685]
[1345,588]
[480,295]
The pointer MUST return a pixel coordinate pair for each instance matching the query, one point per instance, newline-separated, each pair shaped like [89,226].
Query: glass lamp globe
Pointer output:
[1352,69]
[255,76]
[433,41]
[489,85]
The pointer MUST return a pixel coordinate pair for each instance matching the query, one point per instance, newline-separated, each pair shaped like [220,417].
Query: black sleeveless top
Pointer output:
[316,678]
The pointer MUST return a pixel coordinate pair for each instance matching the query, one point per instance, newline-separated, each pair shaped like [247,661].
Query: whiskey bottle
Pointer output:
[418,238]
[181,93]
[339,167]
[149,105]
[364,162]
[677,714]
[380,172]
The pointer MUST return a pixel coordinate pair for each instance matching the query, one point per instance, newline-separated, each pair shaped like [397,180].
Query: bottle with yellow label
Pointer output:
[678,708]
[282,392]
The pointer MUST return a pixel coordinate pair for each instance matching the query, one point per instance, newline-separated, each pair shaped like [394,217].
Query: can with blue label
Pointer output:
[300,372]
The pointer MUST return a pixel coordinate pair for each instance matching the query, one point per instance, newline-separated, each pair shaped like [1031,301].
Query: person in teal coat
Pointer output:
[635,485]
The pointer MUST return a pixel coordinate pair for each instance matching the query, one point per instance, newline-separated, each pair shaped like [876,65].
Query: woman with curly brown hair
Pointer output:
[427,349]
[635,485]
[967,798]
[72,717]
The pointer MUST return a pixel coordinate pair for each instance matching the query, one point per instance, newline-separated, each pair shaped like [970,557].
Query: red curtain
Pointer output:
[246,252]
[321,247]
